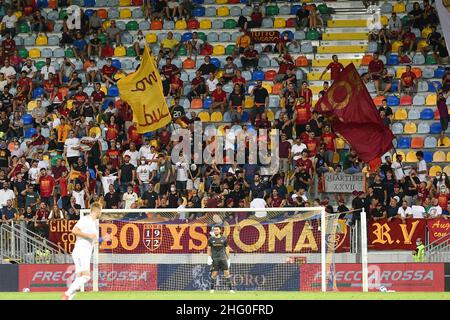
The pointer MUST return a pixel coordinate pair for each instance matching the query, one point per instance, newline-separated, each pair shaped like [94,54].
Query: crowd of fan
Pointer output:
[83,153]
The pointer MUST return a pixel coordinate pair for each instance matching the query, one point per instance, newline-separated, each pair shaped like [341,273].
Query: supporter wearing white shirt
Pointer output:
[3,82]
[435,210]
[8,70]
[129,198]
[10,20]
[48,68]
[79,195]
[405,211]
[29,68]
[182,168]
[400,170]
[418,211]
[211,82]
[259,203]
[133,154]
[6,194]
[107,180]
[422,170]
[33,173]
[296,150]
[143,173]
[71,147]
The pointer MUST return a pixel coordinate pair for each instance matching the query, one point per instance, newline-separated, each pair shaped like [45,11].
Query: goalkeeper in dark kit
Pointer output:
[219,258]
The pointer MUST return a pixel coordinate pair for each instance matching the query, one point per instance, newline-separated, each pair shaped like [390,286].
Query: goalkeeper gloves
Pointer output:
[229,262]
[209,261]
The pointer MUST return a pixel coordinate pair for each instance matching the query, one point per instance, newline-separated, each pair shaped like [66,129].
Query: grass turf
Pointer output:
[218,295]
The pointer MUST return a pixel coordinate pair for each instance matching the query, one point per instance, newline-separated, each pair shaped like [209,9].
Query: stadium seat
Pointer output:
[120,51]
[400,114]
[417,72]
[34,53]
[427,114]
[423,128]
[410,128]
[403,142]
[180,25]
[439,72]
[219,50]
[433,170]
[223,11]
[397,128]
[393,58]
[435,128]
[406,100]
[41,40]
[418,59]
[430,142]
[399,7]
[393,101]
[414,114]
[205,24]
[204,116]
[411,156]
[196,104]
[417,143]
[439,156]
[431,100]
[216,117]
[301,61]
[447,170]
[418,100]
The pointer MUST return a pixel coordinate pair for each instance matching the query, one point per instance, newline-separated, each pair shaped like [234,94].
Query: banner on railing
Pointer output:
[438,228]
[60,233]
[245,237]
[395,235]
[344,183]
[265,36]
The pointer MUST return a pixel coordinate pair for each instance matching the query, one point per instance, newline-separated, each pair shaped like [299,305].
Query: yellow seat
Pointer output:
[425,32]
[106,24]
[345,36]
[248,103]
[434,170]
[270,115]
[397,44]
[346,23]
[120,51]
[439,156]
[410,128]
[204,116]
[421,44]
[431,100]
[400,114]
[336,158]
[219,50]
[151,38]
[18,14]
[411,156]
[399,7]
[290,188]
[315,76]
[268,87]
[384,20]
[447,170]
[223,11]
[180,25]
[216,116]
[103,88]
[205,24]
[340,143]
[399,153]
[41,40]
[446,143]
[219,74]
[399,72]
[279,23]
[34,53]
[221,1]
[31,105]
[448,156]
[124,3]
[221,130]
[341,49]
[125,14]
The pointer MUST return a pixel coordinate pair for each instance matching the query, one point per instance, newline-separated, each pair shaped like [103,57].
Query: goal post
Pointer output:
[273,249]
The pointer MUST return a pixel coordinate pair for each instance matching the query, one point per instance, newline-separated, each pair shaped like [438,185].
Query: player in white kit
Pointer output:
[86,232]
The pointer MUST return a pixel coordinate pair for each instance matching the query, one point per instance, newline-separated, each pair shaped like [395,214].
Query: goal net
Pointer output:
[271,249]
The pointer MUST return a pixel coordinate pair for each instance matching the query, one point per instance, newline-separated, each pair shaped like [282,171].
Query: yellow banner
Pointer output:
[143,91]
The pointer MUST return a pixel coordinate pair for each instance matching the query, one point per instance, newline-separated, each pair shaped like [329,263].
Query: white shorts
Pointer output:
[82,261]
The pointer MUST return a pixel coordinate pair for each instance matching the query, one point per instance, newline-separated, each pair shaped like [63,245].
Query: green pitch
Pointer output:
[247,295]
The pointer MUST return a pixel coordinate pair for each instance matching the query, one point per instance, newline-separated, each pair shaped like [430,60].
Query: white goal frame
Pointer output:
[323,215]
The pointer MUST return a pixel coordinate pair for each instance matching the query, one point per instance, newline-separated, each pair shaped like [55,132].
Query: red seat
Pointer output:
[156,25]
[436,115]
[301,61]
[137,2]
[28,11]
[378,100]
[188,64]
[107,51]
[406,100]
[290,23]
[207,50]
[270,75]
[193,24]
[417,143]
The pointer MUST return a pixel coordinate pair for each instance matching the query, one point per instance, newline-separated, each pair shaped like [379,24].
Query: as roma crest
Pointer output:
[152,236]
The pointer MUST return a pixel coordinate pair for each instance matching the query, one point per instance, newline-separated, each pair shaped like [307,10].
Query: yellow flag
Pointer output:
[143,91]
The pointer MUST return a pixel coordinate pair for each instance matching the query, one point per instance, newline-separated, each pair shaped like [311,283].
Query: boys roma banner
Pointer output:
[438,228]
[143,91]
[353,114]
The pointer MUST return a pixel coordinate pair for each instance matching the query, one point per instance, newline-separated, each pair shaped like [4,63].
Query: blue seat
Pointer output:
[199,12]
[427,114]
[393,101]
[258,75]
[113,91]
[198,1]
[215,62]
[428,156]
[245,116]
[106,103]
[30,132]
[295,8]
[27,119]
[186,36]
[226,117]
[394,87]
[89,12]
[435,128]
[439,72]
[289,33]
[403,142]
[38,92]
[116,63]
[207,103]
[42,3]
[393,60]
[432,88]
[89,3]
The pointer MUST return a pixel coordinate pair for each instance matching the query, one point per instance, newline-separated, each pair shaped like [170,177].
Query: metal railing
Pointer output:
[20,245]
[438,250]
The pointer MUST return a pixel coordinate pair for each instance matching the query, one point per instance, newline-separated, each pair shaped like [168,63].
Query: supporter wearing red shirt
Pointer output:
[80,97]
[112,129]
[276,200]
[306,93]
[113,155]
[198,86]
[239,79]
[25,82]
[108,71]
[335,66]
[164,138]
[125,111]
[408,39]
[375,71]
[443,198]
[219,98]
[50,84]
[46,187]
[302,115]
[285,64]
[134,136]
[250,58]
[328,139]
[312,144]
[98,95]
[169,69]
[37,139]
[41,219]
[407,81]
[176,86]
[304,161]
[8,45]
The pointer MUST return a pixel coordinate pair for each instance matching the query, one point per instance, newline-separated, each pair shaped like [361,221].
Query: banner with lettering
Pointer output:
[143,91]
[265,36]
[438,228]
[344,183]
[60,233]
[395,235]
[245,237]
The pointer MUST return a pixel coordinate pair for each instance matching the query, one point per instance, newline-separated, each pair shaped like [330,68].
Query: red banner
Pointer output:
[265,36]
[438,228]
[393,276]
[60,233]
[117,277]
[247,236]
[395,235]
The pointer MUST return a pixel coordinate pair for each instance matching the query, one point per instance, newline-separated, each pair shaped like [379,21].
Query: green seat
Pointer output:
[182,51]
[230,24]
[406,21]
[23,28]
[102,38]
[131,52]
[23,53]
[229,49]
[272,10]
[312,35]
[39,65]
[132,26]
[430,59]
[323,9]
[62,14]
[201,35]
[69,53]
